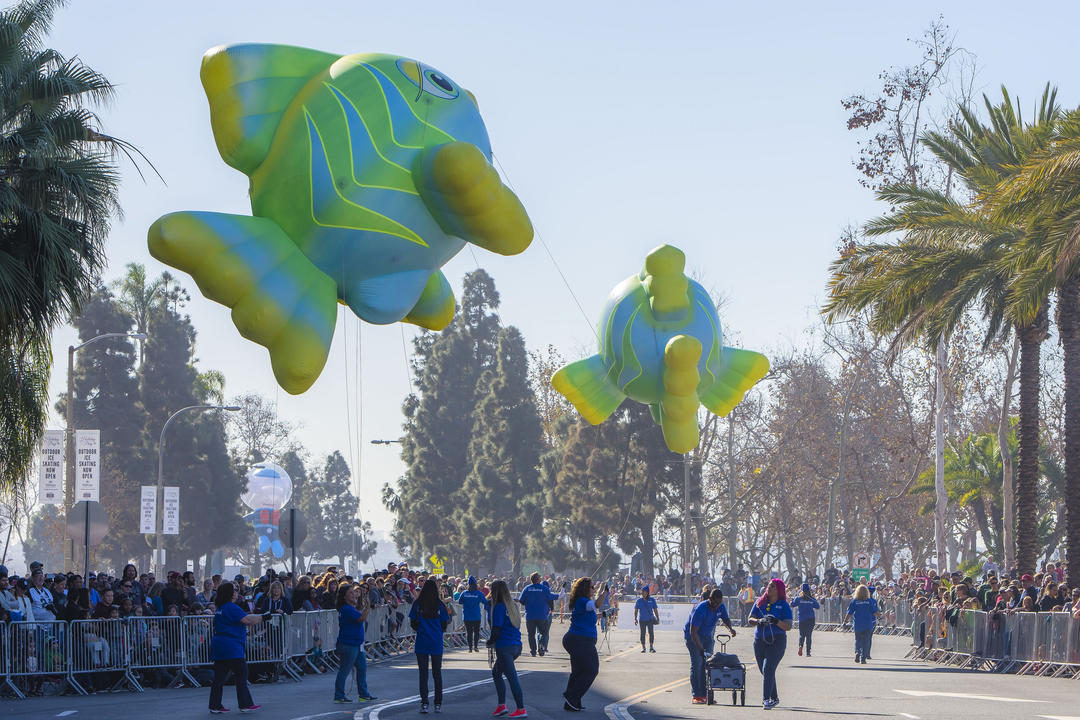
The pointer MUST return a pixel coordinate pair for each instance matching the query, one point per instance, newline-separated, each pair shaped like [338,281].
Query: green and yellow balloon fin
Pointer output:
[249,86]
[435,308]
[586,385]
[740,370]
[279,299]
[468,199]
[679,403]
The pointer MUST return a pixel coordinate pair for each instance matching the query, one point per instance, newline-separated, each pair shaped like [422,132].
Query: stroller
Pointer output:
[725,672]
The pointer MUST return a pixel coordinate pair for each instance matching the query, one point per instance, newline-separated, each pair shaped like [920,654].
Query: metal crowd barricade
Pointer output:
[98,655]
[36,652]
[266,645]
[157,651]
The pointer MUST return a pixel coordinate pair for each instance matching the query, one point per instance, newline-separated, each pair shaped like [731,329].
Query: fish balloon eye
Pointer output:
[440,81]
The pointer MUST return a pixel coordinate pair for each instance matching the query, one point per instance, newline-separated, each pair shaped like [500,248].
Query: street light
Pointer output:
[69,486]
[159,565]
[384,442]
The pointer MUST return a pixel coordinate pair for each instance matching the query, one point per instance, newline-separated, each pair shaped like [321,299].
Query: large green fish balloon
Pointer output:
[661,344]
[368,173]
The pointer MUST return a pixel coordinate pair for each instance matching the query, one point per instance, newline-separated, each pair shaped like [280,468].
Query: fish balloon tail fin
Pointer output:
[679,403]
[589,389]
[740,370]
[279,299]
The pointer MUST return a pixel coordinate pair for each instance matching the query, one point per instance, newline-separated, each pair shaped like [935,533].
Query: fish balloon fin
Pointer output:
[468,199]
[249,86]
[279,299]
[679,403]
[740,370]
[435,308]
[588,387]
[389,298]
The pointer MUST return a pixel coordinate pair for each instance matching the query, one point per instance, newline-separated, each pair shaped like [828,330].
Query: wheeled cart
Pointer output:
[731,677]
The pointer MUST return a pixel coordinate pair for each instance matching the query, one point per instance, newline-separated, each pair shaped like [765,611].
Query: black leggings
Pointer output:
[472,634]
[652,637]
[436,672]
[238,668]
[806,632]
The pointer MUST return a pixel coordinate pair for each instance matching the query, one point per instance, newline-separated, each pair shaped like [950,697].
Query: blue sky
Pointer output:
[716,127]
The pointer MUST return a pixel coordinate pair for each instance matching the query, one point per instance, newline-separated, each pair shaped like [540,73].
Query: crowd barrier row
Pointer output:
[85,656]
[1045,644]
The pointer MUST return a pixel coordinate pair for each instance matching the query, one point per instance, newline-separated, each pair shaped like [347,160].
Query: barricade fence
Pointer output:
[93,655]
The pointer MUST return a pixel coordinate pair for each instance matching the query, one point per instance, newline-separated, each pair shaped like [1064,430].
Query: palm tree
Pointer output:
[955,255]
[1045,195]
[58,185]
[137,295]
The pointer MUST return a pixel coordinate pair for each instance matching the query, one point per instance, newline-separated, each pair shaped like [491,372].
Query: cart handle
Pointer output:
[723,636]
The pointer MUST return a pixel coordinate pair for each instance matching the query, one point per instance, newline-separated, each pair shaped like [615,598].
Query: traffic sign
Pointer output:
[88,522]
[861,560]
[860,575]
[292,527]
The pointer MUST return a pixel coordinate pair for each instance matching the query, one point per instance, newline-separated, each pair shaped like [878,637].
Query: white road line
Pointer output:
[1061,717]
[620,710]
[322,715]
[66,713]
[373,712]
[909,716]
[967,696]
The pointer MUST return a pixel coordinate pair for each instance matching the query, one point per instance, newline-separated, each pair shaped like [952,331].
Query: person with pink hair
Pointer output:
[771,617]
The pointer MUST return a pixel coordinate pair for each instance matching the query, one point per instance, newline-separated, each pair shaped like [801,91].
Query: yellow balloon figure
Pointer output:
[661,344]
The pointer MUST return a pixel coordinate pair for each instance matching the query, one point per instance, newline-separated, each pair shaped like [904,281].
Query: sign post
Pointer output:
[87,521]
[293,529]
[861,566]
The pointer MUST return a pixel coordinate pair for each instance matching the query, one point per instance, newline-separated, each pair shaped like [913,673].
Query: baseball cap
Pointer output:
[1026,576]
[238,578]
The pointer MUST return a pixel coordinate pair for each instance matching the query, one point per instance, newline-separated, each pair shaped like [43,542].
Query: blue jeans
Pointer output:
[768,654]
[698,685]
[862,642]
[352,656]
[504,667]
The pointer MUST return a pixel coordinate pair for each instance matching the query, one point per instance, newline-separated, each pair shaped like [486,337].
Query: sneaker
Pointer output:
[423,708]
[542,653]
[800,651]
[500,711]
[366,698]
[858,659]
[807,653]
[767,705]
[652,649]
[219,711]
[519,713]
[864,661]
[342,701]
[568,707]
[250,708]
[533,654]
[438,708]
[699,700]
[573,706]
[643,650]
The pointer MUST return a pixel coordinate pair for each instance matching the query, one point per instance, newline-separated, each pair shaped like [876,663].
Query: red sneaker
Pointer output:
[519,713]
[800,651]
[699,700]
[500,711]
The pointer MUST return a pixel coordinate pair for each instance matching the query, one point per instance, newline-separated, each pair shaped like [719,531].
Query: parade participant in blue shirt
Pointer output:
[863,612]
[806,605]
[772,618]
[505,641]
[227,650]
[646,614]
[429,619]
[350,642]
[473,604]
[539,602]
[580,644]
[699,636]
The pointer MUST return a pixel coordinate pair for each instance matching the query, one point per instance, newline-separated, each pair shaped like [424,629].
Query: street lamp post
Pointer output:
[159,565]
[69,486]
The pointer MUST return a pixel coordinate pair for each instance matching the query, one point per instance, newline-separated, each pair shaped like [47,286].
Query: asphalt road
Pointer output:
[631,686]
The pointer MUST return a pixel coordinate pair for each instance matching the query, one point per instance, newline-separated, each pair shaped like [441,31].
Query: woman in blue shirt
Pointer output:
[772,618]
[429,619]
[350,642]
[863,612]
[806,604]
[227,650]
[505,640]
[646,614]
[471,602]
[580,643]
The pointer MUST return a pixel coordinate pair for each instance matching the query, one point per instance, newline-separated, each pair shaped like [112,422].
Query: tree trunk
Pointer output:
[1069,327]
[517,560]
[1027,471]
[942,501]
[1008,487]
[648,549]
[732,533]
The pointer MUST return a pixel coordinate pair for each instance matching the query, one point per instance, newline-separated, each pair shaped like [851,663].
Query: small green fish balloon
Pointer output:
[368,173]
[661,344]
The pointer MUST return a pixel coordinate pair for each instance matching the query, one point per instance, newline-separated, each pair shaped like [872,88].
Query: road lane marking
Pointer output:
[1061,717]
[967,696]
[373,712]
[909,716]
[620,654]
[619,710]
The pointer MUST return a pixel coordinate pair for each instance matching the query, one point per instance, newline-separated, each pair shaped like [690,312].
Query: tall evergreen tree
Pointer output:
[106,398]
[330,508]
[503,488]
